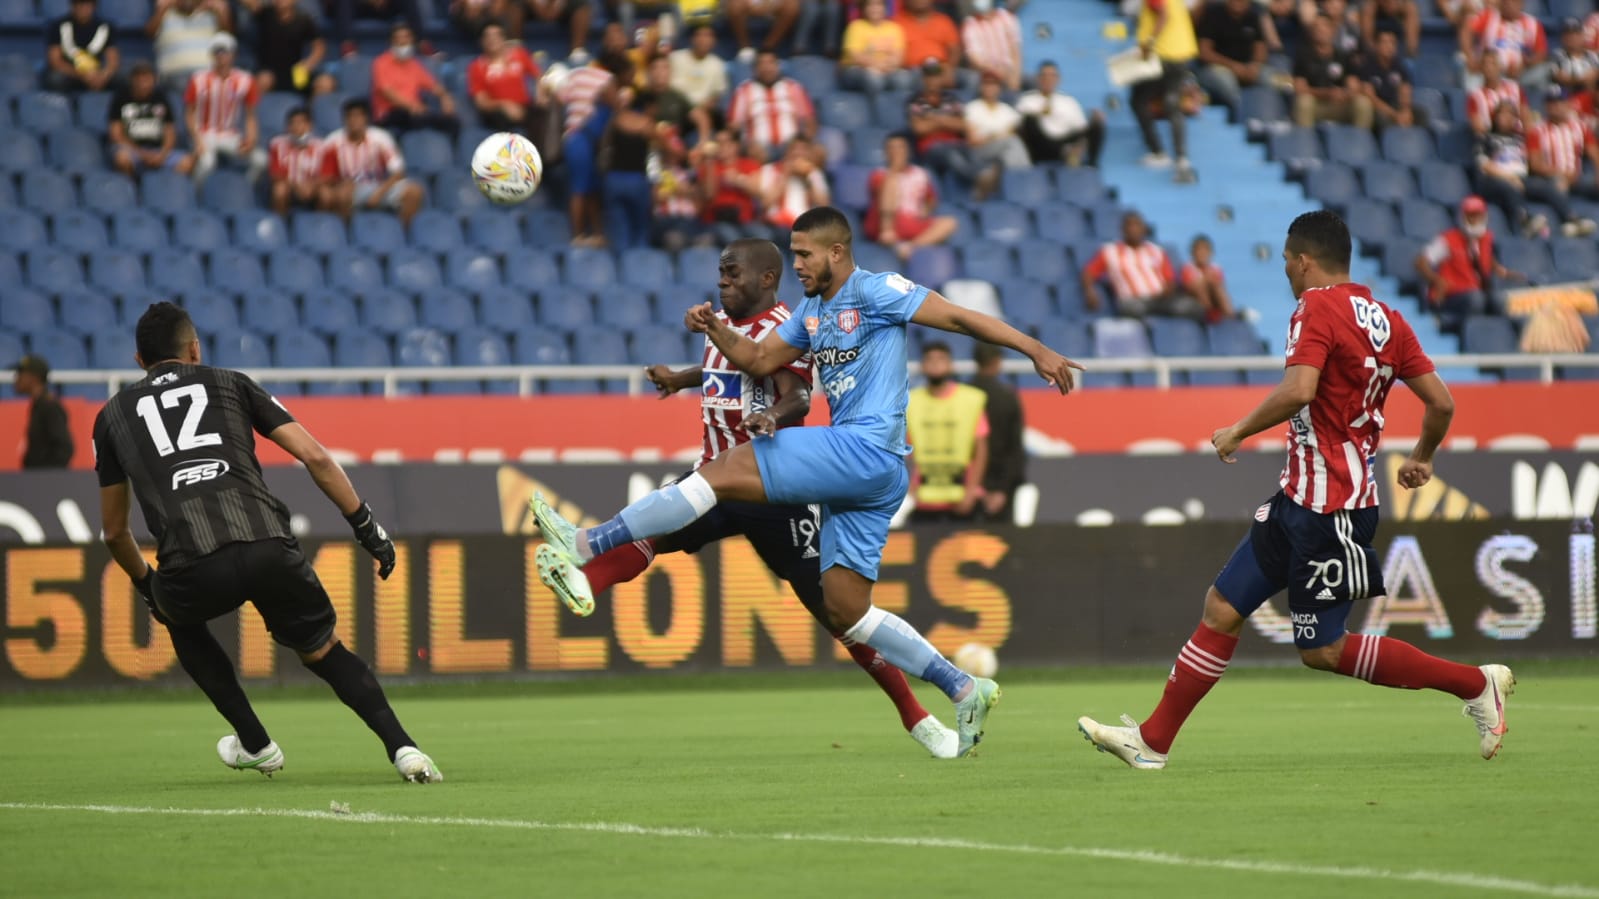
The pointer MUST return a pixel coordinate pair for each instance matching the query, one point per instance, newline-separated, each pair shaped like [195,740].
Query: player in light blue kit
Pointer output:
[853,323]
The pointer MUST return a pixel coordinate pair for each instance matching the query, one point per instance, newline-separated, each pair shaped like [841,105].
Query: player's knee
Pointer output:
[316,655]
[1321,658]
[1220,616]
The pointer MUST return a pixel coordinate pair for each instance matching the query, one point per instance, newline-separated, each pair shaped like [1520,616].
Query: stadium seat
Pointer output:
[1387,181]
[137,230]
[233,269]
[10,269]
[22,230]
[1530,257]
[237,348]
[19,151]
[496,229]
[1260,108]
[851,187]
[987,260]
[540,346]
[646,268]
[1234,337]
[64,349]
[472,270]
[564,307]
[656,344]
[976,295]
[423,348]
[1120,338]
[1444,183]
[131,302]
[505,309]
[1058,221]
[42,112]
[455,191]
[258,230]
[269,311]
[354,271]
[447,310]
[1043,260]
[358,349]
[166,191]
[329,312]
[531,270]
[480,346]
[699,266]
[625,307]
[1080,186]
[1408,146]
[92,109]
[227,190]
[326,116]
[176,271]
[319,232]
[53,271]
[273,110]
[844,111]
[415,273]
[1488,334]
[1457,146]
[1399,261]
[26,310]
[1026,303]
[294,271]
[213,313]
[11,350]
[200,230]
[74,150]
[1349,145]
[866,147]
[932,265]
[48,191]
[1004,222]
[602,346]
[888,110]
[1371,222]
[110,349]
[1176,337]
[1106,219]
[1027,187]
[1333,184]
[300,349]
[116,271]
[589,269]
[874,257]
[387,312]
[86,311]
[436,232]
[1423,219]
[1576,259]
[1299,149]
[377,232]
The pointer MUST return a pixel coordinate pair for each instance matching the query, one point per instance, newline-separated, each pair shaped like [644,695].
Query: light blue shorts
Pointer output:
[858,485]
[365,189]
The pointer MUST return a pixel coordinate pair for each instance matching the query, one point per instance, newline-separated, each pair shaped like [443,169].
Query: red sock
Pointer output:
[1387,662]
[892,680]
[620,565]
[1202,662]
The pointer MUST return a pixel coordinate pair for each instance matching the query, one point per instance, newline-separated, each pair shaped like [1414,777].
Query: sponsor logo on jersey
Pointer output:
[722,389]
[198,472]
[812,323]
[1263,513]
[849,320]
[167,378]
[832,355]
[900,283]
[1325,595]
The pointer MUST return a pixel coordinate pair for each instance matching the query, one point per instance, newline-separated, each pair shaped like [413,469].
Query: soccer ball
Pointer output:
[507,168]
[977,660]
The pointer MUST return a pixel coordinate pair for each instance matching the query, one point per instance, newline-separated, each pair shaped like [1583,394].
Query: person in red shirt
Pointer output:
[1515,37]
[1556,148]
[363,168]
[929,35]
[399,83]
[1203,280]
[497,82]
[903,199]
[219,110]
[296,165]
[729,180]
[1314,537]
[1460,266]
[1140,274]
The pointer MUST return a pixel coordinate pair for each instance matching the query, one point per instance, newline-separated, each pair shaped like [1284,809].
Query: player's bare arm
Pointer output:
[115,502]
[1294,392]
[335,484]
[793,404]
[667,381]
[938,312]
[760,358]
[1440,410]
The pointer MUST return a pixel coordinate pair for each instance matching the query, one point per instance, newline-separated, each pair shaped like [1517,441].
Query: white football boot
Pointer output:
[1487,711]
[415,766]
[941,742]
[268,761]
[1125,743]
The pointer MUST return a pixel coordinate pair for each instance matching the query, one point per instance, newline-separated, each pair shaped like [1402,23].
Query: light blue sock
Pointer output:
[908,650]
[668,509]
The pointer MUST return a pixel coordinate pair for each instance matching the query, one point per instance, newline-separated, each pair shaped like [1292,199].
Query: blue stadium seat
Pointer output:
[415,273]
[53,271]
[273,110]
[834,144]
[269,311]
[505,309]
[564,307]
[294,271]
[258,230]
[48,191]
[354,271]
[42,111]
[92,109]
[1026,303]
[423,348]
[1388,181]
[1530,257]
[213,313]
[656,344]
[987,260]
[448,310]
[427,152]
[1576,258]
[319,232]
[19,151]
[1004,222]
[932,265]
[625,307]
[1106,219]
[1399,261]
[10,269]
[480,346]
[108,192]
[329,312]
[64,349]
[1423,219]
[355,76]
[166,191]
[387,311]
[74,150]
[1408,146]
[111,348]
[176,271]
[531,270]
[1349,145]
[1443,182]
[1027,187]
[234,269]
[541,346]
[495,229]
[888,110]
[436,232]
[300,349]
[1259,109]
[866,147]
[1176,337]
[326,117]
[86,311]
[377,232]
[137,230]
[602,346]
[698,266]
[1060,221]
[1120,338]
[590,269]
[846,112]
[1079,186]
[1234,337]
[227,190]
[26,310]
[237,348]
[851,187]
[116,271]
[455,191]
[1372,222]
[1488,334]
[646,268]
[472,270]
[1299,149]
[8,193]
[358,349]
[131,302]
[817,74]
[22,230]
[876,258]
[1334,185]
[1044,260]
[11,350]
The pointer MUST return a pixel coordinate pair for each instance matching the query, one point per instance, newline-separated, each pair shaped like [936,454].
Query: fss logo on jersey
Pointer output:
[199,472]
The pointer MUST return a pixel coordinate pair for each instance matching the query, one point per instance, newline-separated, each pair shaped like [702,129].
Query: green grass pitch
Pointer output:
[1285,784]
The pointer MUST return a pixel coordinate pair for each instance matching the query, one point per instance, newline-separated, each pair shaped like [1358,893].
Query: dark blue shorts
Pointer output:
[1325,560]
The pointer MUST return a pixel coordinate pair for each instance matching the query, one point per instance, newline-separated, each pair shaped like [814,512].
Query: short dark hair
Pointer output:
[1202,238]
[1048,64]
[936,346]
[296,112]
[1322,236]
[984,353]
[825,218]
[357,103]
[163,331]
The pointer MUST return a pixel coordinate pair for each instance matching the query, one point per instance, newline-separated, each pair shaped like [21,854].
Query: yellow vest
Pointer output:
[943,435]
[1176,42]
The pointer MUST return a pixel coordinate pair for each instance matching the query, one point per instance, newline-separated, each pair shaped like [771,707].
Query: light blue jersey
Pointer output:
[858,341]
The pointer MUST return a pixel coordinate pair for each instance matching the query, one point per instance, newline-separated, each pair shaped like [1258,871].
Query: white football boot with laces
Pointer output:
[415,766]
[940,741]
[268,761]
[1125,743]
[1487,711]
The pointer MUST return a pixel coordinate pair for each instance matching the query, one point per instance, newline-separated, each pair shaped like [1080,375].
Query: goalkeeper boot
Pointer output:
[268,761]
[938,740]
[1125,743]
[1487,711]
[972,712]
[565,580]
[558,533]
[415,766]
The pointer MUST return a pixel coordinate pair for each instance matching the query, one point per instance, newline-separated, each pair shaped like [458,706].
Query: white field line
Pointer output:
[1485,882]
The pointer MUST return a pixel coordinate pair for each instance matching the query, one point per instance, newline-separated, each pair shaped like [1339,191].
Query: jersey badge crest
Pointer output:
[849,320]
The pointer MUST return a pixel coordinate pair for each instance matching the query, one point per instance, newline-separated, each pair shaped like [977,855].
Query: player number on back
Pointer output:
[188,439]
[1376,388]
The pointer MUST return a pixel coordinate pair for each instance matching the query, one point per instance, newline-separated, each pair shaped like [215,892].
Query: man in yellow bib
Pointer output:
[947,428]
[1165,31]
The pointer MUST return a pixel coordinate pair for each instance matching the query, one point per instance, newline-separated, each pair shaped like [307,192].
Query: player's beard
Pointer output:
[822,280]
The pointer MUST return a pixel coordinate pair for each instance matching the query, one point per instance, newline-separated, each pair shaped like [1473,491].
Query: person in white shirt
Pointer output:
[1054,127]
[700,75]
[991,127]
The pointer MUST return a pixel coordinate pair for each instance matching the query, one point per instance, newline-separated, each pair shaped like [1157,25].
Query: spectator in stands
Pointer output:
[929,35]
[1140,274]
[362,168]
[792,185]
[182,31]
[497,82]
[1513,35]
[289,48]
[1232,49]
[638,49]
[992,129]
[874,52]
[629,199]
[472,16]
[80,51]
[400,83]
[295,166]
[903,197]
[1502,174]
[219,109]
[1325,87]
[588,93]
[825,16]
[48,440]
[1459,13]
[1575,67]
[1284,31]
[1204,280]
[1345,24]
[674,114]
[938,121]
[1007,446]
[1386,83]
[345,12]
[729,181]
[1486,97]
[665,14]
[783,14]
[1400,18]
[991,43]
[701,76]
[576,16]
[948,432]
[1165,31]
[141,129]
[1460,267]
[1556,148]
[678,205]
[769,110]
[1054,127]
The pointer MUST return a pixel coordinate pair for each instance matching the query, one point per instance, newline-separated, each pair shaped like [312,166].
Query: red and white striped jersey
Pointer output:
[1361,346]
[1141,271]
[295,163]
[580,93]
[916,187]
[219,101]
[374,158]
[1563,142]
[1512,39]
[993,43]
[1590,31]
[1480,103]
[770,116]
[727,394]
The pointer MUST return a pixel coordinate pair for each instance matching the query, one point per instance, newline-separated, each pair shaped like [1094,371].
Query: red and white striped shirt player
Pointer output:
[1361,347]
[1480,103]
[727,394]
[370,160]
[1513,38]
[1563,144]
[220,101]
[993,43]
[770,115]
[1134,272]
[294,161]
[580,93]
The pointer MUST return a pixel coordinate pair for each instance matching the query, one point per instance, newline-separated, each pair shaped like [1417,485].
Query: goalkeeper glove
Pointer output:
[373,538]
[146,587]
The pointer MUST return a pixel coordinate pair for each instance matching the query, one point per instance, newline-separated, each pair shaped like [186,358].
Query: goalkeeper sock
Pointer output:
[357,687]
[209,666]
[907,650]
[668,509]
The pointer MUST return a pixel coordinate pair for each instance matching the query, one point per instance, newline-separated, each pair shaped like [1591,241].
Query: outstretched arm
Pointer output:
[114,530]
[938,312]
[1440,410]
[1297,389]
[757,358]
[322,467]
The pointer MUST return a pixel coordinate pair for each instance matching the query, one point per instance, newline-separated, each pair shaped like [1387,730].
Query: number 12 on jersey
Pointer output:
[188,439]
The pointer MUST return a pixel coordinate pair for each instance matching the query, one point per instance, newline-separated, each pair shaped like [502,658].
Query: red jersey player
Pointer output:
[1345,350]
[735,406]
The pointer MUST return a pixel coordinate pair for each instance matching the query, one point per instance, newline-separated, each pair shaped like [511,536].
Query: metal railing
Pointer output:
[525,377]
